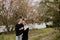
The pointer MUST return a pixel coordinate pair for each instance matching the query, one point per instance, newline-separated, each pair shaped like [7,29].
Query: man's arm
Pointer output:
[21,28]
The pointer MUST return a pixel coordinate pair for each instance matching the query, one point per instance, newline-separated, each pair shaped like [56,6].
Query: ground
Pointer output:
[36,34]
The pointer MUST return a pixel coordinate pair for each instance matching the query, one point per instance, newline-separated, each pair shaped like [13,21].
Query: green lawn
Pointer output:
[7,37]
[36,34]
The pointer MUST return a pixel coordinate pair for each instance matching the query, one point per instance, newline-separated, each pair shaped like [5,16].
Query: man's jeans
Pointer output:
[19,37]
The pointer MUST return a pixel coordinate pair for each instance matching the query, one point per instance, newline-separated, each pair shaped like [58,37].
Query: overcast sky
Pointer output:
[33,2]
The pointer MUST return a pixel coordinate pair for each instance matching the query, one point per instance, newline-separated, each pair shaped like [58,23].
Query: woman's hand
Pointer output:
[21,28]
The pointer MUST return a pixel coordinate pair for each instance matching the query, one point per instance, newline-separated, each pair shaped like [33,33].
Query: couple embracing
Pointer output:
[21,34]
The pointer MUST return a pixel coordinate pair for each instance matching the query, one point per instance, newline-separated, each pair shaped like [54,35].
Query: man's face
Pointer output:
[21,20]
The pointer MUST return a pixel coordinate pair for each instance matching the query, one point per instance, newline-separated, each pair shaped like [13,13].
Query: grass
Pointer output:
[35,34]
[44,34]
[7,37]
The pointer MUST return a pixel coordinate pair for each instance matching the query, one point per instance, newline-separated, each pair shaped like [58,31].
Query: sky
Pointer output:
[34,2]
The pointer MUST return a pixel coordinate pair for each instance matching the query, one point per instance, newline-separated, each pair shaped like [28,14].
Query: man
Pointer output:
[19,28]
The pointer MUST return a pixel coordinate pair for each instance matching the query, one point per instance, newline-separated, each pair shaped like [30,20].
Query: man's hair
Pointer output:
[20,17]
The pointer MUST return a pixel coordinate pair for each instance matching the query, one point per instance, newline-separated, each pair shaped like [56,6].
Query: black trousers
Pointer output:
[25,34]
[25,38]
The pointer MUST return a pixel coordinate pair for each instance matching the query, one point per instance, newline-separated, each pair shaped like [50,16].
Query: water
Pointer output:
[30,26]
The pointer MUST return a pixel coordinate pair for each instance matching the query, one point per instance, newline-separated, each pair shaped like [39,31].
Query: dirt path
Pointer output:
[45,36]
[51,36]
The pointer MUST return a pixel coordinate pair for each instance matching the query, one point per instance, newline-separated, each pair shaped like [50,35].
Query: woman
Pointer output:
[19,27]
[25,32]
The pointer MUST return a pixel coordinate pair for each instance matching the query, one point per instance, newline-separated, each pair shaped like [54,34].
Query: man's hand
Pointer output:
[21,28]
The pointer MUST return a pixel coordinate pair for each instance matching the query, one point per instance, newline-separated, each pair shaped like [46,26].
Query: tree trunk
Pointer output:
[7,28]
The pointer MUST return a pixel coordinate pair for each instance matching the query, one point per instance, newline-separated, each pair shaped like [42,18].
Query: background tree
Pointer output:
[11,10]
[52,11]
